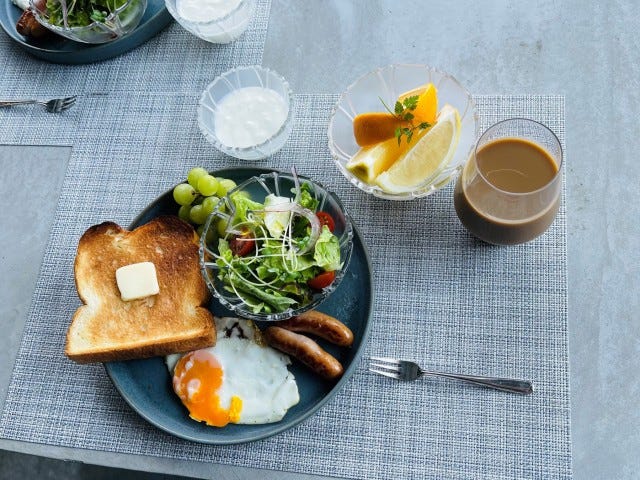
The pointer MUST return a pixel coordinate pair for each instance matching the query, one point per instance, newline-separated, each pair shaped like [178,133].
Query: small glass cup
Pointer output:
[223,29]
[506,194]
[235,79]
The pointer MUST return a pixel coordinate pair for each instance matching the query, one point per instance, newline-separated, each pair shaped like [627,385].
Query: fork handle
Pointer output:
[522,387]
[11,103]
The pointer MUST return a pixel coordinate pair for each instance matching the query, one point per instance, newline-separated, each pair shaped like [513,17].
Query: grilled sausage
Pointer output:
[320,324]
[29,27]
[305,350]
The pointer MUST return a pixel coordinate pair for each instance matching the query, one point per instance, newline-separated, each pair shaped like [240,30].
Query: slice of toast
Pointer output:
[106,328]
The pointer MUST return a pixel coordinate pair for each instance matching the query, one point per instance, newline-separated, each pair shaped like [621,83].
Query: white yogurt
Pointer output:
[205,10]
[249,116]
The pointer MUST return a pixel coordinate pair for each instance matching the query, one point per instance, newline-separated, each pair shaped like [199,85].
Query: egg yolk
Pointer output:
[196,379]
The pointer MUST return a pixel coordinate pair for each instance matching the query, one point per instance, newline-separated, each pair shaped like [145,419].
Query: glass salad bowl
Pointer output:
[387,84]
[118,18]
[222,24]
[234,80]
[269,265]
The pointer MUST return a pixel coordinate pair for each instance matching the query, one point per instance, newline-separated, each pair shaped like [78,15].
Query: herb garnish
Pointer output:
[402,111]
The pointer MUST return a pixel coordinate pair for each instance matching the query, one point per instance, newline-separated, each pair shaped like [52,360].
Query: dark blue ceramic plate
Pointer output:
[57,49]
[146,385]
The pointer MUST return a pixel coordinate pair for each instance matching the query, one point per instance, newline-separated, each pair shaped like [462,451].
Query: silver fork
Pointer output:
[54,106]
[408,371]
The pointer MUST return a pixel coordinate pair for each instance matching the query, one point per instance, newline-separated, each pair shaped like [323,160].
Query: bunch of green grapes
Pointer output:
[200,195]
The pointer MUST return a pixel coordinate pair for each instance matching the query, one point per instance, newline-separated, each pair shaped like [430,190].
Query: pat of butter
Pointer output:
[138,280]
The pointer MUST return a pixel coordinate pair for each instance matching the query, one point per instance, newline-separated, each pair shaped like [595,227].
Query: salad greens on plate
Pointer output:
[275,254]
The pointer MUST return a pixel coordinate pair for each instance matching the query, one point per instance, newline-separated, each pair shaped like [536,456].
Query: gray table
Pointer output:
[589,53]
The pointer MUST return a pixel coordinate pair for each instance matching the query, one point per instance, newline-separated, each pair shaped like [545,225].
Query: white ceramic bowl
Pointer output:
[388,83]
[241,77]
[224,29]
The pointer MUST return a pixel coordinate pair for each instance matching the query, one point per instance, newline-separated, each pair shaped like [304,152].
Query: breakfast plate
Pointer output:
[61,50]
[146,386]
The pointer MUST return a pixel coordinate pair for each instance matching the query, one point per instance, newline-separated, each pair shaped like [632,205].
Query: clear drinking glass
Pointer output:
[509,190]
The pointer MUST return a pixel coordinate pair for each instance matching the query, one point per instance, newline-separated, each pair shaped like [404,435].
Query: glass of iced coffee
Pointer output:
[509,190]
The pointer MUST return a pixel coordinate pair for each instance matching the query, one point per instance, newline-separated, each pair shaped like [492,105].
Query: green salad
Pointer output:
[276,254]
[80,13]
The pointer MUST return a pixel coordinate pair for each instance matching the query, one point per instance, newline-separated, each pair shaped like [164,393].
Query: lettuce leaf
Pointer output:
[307,197]
[243,205]
[327,251]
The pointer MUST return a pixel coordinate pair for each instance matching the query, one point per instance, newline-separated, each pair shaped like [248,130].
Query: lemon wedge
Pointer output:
[432,151]
[371,161]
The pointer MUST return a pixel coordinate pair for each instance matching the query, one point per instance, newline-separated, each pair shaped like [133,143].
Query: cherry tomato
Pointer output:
[326,219]
[242,245]
[322,280]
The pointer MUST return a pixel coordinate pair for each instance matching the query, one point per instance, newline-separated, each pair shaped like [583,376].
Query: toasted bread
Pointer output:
[106,328]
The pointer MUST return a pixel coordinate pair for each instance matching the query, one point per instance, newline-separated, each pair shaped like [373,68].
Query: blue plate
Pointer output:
[57,49]
[146,385]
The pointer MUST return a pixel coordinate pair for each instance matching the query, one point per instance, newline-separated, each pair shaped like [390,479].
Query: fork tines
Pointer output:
[60,104]
[389,367]
[68,101]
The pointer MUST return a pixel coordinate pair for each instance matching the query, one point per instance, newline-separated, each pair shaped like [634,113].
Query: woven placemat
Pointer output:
[441,297]
[174,61]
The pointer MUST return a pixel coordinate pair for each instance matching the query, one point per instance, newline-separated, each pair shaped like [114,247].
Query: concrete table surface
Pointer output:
[587,51]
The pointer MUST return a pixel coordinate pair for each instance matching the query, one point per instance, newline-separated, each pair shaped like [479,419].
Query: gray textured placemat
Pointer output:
[174,61]
[441,297]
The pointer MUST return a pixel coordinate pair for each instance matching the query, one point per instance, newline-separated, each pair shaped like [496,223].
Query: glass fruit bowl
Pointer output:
[231,81]
[222,25]
[387,84]
[118,21]
[221,225]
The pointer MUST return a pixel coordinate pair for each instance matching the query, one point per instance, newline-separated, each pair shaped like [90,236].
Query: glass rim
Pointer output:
[224,18]
[538,190]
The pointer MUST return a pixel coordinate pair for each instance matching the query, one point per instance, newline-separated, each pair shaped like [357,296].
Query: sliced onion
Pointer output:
[304,212]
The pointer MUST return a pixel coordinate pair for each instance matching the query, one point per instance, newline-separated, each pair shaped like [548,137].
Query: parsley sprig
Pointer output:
[402,111]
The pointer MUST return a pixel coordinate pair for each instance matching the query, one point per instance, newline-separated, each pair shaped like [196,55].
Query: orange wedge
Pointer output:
[427,108]
[375,127]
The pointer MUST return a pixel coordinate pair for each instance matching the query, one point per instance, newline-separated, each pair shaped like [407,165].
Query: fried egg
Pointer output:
[239,380]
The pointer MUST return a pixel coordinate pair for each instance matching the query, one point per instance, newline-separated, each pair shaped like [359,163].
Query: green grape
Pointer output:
[200,230]
[184,212]
[184,194]
[226,186]
[209,203]
[207,185]
[222,227]
[197,215]
[194,175]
